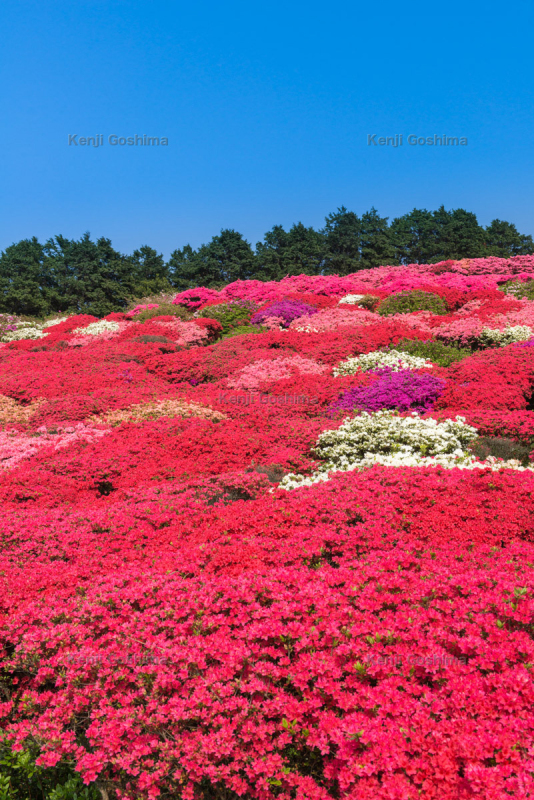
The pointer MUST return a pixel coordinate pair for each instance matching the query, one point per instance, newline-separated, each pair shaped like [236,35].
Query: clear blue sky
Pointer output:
[266,107]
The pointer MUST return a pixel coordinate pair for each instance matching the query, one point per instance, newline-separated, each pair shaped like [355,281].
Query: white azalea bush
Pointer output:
[379,359]
[50,322]
[98,328]
[386,438]
[352,299]
[23,330]
[490,337]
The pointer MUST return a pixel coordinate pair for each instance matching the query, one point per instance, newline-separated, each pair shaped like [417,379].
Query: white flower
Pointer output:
[53,322]
[517,333]
[99,327]
[378,359]
[352,299]
[29,331]
[393,441]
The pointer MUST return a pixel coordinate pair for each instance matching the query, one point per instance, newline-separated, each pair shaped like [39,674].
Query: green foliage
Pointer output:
[22,779]
[376,246]
[416,300]
[230,315]
[426,237]
[519,289]
[299,251]
[504,240]
[150,272]
[437,352]
[228,257]
[342,234]
[164,310]
[90,277]
[507,449]
[243,330]
[415,238]
[26,285]
[148,338]
[369,302]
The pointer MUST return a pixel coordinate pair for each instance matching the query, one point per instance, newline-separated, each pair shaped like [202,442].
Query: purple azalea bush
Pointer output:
[404,390]
[287,310]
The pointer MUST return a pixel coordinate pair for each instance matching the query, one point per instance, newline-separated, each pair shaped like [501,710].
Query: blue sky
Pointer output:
[267,109]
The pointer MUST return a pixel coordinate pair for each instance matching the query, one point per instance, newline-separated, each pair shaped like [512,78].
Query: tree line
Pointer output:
[64,275]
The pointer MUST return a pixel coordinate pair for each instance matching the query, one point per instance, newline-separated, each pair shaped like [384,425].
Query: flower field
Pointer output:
[277,540]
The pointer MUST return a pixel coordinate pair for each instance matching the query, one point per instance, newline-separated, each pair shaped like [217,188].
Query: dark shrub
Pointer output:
[498,447]
[369,302]
[442,354]
[407,302]
[231,315]
[147,339]
[164,310]
[274,472]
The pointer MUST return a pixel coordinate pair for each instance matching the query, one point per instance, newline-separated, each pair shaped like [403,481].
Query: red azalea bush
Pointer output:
[174,624]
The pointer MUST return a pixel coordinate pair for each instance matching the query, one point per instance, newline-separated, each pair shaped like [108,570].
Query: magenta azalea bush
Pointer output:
[403,390]
[286,310]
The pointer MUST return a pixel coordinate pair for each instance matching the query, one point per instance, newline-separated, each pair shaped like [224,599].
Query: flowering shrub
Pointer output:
[386,438]
[142,307]
[400,389]
[157,409]
[519,289]
[518,333]
[195,298]
[392,359]
[176,623]
[286,310]
[332,318]
[12,412]
[98,328]
[14,332]
[153,311]
[8,325]
[263,372]
[352,299]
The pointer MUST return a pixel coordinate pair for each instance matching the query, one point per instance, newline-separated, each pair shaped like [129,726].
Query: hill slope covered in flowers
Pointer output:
[277,541]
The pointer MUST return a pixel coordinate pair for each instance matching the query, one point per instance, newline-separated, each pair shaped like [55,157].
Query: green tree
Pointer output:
[425,237]
[186,269]
[414,237]
[299,251]
[376,247]
[91,277]
[26,283]
[228,257]
[458,235]
[270,254]
[150,273]
[504,240]
[342,234]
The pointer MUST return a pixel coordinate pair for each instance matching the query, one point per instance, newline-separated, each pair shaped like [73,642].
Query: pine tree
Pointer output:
[299,251]
[91,277]
[150,273]
[26,284]
[504,240]
[376,247]
[186,269]
[342,234]
[414,237]
[270,255]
